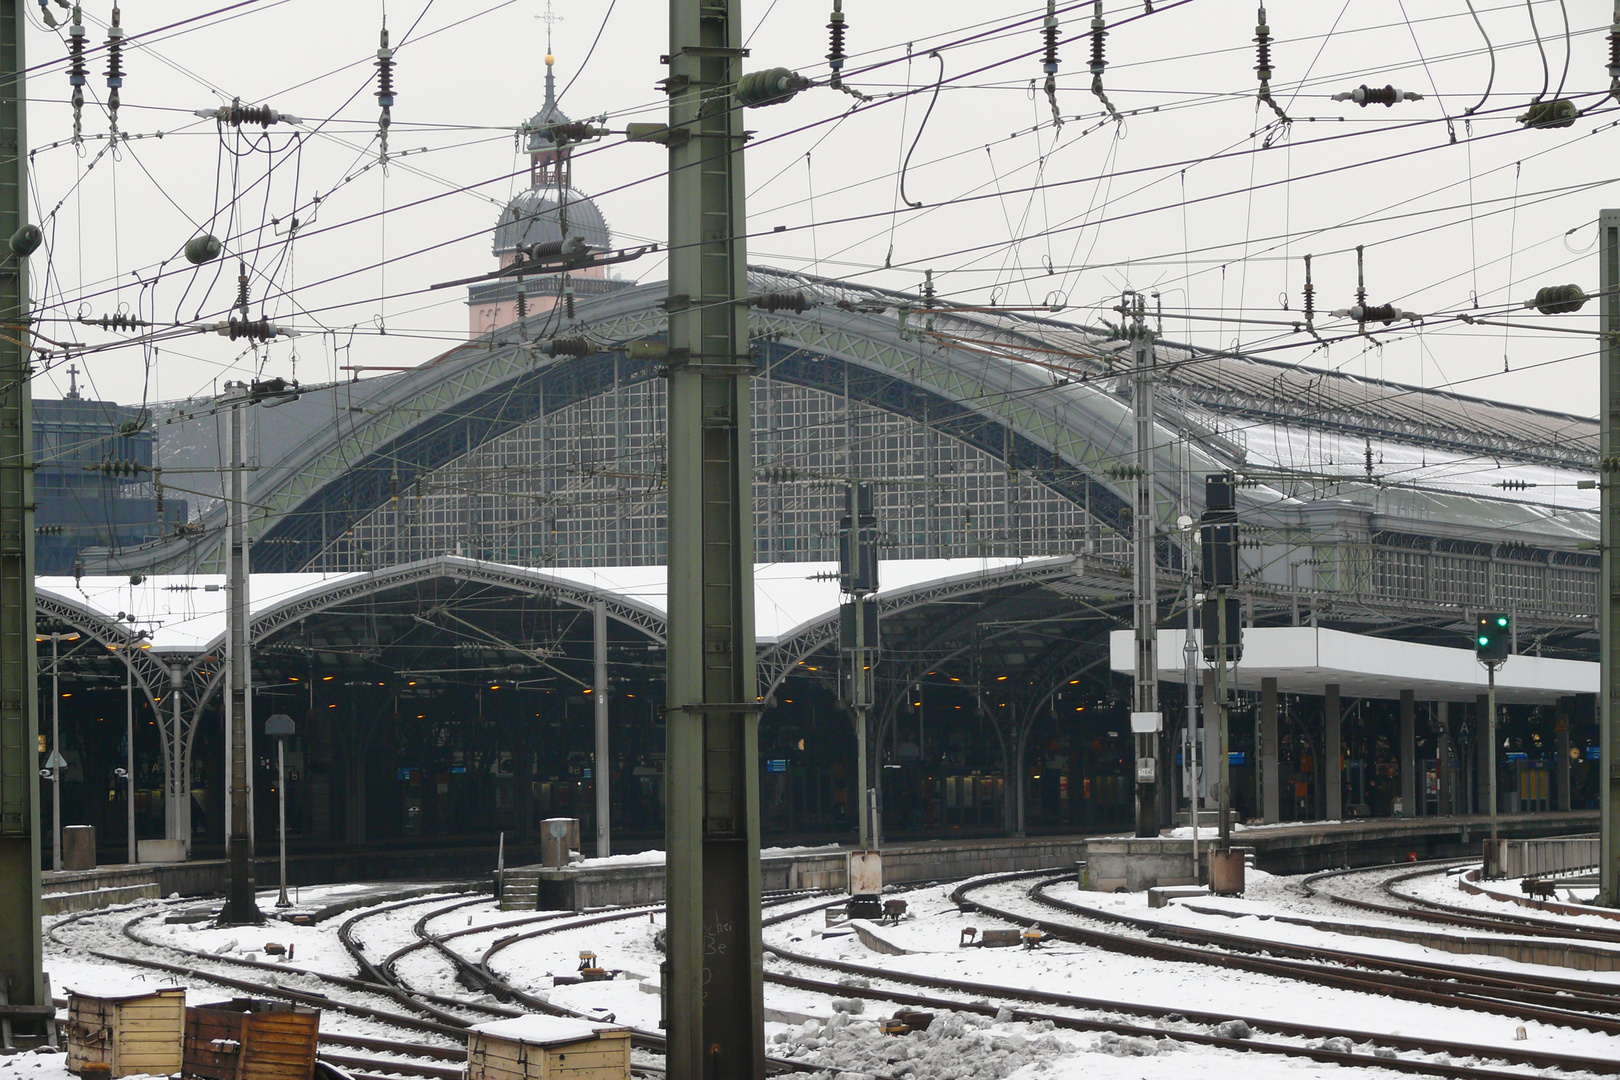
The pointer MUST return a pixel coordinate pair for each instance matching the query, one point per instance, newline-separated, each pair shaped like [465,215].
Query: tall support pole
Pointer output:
[1488,760]
[240,903]
[1145,591]
[599,699]
[714,994]
[56,753]
[177,769]
[133,852]
[1189,659]
[863,771]
[21,959]
[860,684]
[1609,705]
[1223,758]
[281,819]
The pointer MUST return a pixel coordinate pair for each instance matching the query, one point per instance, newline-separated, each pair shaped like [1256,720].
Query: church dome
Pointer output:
[534,218]
[538,215]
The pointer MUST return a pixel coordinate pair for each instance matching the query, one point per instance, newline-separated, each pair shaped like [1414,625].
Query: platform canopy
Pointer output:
[185,613]
[1304,659]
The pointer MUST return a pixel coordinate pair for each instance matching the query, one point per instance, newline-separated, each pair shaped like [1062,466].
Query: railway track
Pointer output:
[1545,998]
[1425,983]
[379,989]
[969,997]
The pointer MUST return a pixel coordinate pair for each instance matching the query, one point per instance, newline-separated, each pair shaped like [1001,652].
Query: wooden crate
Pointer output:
[548,1048]
[129,1032]
[246,1039]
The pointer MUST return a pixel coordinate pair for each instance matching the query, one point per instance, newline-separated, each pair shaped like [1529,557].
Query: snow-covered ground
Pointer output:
[841,1033]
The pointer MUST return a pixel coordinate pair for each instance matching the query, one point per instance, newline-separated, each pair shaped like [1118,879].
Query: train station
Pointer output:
[695,644]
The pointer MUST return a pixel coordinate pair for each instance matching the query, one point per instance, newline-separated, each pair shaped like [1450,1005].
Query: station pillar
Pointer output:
[1409,784]
[1561,730]
[1332,753]
[1270,796]
[1483,759]
[1443,755]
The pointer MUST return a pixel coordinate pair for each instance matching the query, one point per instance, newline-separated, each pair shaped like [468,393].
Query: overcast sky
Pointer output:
[1197,194]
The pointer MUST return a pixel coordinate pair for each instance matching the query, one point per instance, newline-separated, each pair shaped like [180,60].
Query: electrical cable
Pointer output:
[920,129]
[1546,72]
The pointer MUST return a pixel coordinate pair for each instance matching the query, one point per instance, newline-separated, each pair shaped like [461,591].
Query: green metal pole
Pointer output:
[1490,736]
[241,902]
[21,959]
[1609,705]
[714,993]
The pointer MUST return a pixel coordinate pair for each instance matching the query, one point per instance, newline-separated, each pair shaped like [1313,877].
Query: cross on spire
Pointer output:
[551,19]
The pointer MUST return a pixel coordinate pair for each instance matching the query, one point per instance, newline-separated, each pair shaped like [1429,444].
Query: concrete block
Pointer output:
[79,847]
[1161,895]
[161,851]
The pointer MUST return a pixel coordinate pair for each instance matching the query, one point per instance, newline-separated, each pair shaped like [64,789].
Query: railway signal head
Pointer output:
[1493,637]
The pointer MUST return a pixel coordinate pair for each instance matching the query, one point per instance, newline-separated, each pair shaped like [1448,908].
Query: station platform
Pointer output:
[1122,863]
[1282,849]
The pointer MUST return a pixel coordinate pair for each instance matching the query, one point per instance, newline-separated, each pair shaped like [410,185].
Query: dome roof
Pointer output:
[533,218]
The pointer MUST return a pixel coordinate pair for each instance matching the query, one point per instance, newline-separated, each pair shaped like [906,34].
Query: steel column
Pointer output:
[1332,765]
[240,903]
[599,699]
[1409,784]
[132,850]
[1145,594]
[1271,797]
[1489,758]
[714,992]
[21,959]
[1609,705]
[1446,802]
[56,751]
[1561,727]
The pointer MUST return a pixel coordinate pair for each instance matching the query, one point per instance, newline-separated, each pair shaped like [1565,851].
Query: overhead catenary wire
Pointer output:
[1043,187]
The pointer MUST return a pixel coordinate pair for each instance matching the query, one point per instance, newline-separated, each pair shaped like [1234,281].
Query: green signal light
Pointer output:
[1501,620]
[1483,640]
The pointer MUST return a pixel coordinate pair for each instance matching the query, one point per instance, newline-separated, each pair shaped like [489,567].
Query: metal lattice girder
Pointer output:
[456,568]
[21,972]
[151,674]
[777,661]
[1609,620]
[714,992]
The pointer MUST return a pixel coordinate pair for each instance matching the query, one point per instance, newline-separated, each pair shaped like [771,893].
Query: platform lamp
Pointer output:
[279,727]
[54,763]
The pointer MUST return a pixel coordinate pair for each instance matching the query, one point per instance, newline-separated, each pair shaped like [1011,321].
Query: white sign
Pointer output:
[1146,723]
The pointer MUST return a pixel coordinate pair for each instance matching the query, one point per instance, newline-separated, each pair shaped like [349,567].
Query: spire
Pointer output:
[551,19]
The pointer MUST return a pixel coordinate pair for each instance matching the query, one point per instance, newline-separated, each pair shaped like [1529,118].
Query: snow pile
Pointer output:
[956,1046]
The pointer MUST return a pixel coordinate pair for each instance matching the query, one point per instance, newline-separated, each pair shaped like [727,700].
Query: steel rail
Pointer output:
[1459,987]
[1172,952]
[1449,914]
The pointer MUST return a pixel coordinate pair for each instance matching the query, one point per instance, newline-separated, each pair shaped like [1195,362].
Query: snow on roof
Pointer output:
[185,613]
[539,1030]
